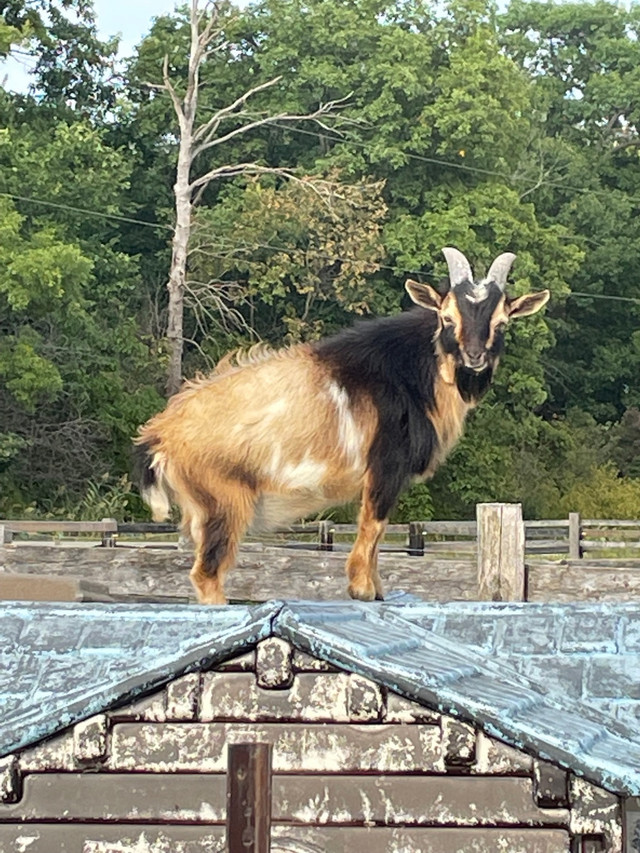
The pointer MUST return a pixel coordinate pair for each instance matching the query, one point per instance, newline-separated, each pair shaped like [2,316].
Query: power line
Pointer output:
[241,255]
[604,296]
[453,165]
[419,157]
[289,249]
[87,212]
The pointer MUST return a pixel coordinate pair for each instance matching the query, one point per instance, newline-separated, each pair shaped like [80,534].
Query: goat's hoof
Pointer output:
[367,593]
[379,596]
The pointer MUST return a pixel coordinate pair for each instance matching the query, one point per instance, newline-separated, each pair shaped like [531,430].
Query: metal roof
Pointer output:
[559,681]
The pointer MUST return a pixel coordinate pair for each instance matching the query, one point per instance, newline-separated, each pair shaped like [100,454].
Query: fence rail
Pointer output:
[572,536]
[461,560]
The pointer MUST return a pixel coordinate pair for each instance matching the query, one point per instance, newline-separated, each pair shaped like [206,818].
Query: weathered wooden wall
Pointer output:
[265,572]
[355,768]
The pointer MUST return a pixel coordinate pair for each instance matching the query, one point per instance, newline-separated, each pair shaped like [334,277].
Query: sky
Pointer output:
[131,19]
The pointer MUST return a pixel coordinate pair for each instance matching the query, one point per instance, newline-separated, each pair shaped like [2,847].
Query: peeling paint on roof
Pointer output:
[558,681]
[61,663]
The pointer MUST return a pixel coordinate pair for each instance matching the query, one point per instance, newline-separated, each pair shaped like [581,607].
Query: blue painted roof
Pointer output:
[61,663]
[560,681]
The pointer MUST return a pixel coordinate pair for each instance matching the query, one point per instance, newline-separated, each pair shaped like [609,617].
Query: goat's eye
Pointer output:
[448,321]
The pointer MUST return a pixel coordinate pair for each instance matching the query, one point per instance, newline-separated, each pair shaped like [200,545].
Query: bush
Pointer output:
[601,493]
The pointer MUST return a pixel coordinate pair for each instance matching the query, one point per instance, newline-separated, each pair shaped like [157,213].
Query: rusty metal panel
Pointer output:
[321,799]
[298,747]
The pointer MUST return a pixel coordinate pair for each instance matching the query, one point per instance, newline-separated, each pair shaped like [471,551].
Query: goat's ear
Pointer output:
[423,295]
[523,306]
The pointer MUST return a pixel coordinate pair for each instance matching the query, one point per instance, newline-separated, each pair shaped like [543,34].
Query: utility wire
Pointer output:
[239,251]
[85,211]
[453,165]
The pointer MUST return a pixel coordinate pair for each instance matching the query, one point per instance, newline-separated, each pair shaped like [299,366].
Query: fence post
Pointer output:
[249,798]
[325,535]
[109,535]
[575,536]
[416,539]
[501,569]
[6,534]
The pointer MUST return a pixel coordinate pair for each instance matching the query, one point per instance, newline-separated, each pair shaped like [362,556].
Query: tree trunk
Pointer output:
[178,271]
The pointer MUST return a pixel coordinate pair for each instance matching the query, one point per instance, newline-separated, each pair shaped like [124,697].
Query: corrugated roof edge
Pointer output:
[357,637]
[586,746]
[43,713]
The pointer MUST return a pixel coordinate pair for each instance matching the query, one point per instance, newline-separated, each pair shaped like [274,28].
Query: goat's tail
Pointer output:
[154,488]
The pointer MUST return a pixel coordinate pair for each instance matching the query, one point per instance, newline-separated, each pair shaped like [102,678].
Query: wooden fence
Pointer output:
[497,557]
[573,536]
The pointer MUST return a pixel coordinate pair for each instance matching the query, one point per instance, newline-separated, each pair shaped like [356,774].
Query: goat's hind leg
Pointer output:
[216,536]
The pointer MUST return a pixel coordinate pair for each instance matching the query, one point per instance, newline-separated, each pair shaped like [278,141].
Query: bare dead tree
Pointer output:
[196,139]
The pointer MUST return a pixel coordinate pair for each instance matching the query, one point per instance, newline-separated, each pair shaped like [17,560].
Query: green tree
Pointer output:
[585,61]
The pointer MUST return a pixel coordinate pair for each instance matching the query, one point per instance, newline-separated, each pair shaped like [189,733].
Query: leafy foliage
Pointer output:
[492,132]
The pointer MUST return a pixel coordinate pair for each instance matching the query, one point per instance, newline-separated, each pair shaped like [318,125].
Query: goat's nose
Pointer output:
[476,359]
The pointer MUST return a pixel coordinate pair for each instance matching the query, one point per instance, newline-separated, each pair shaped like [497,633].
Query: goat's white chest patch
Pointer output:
[306,475]
[349,436]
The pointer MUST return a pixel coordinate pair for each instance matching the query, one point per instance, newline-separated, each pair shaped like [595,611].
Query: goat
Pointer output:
[271,436]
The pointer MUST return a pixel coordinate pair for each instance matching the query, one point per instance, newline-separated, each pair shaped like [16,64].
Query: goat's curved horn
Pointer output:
[459,266]
[500,268]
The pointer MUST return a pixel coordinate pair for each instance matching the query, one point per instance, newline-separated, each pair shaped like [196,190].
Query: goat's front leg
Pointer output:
[362,563]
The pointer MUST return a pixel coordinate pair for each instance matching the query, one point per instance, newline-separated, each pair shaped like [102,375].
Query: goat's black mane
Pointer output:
[393,361]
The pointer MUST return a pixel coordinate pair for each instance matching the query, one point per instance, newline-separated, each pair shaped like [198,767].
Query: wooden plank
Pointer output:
[46,588]
[589,545]
[297,747]
[532,524]
[340,800]
[547,546]
[325,536]
[107,526]
[249,798]
[501,574]
[416,540]
[631,563]
[131,838]
[611,523]
[146,527]
[456,546]
[262,572]
[448,528]
[579,582]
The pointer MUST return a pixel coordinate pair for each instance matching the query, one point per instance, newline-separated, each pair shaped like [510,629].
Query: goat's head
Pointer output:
[473,316]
